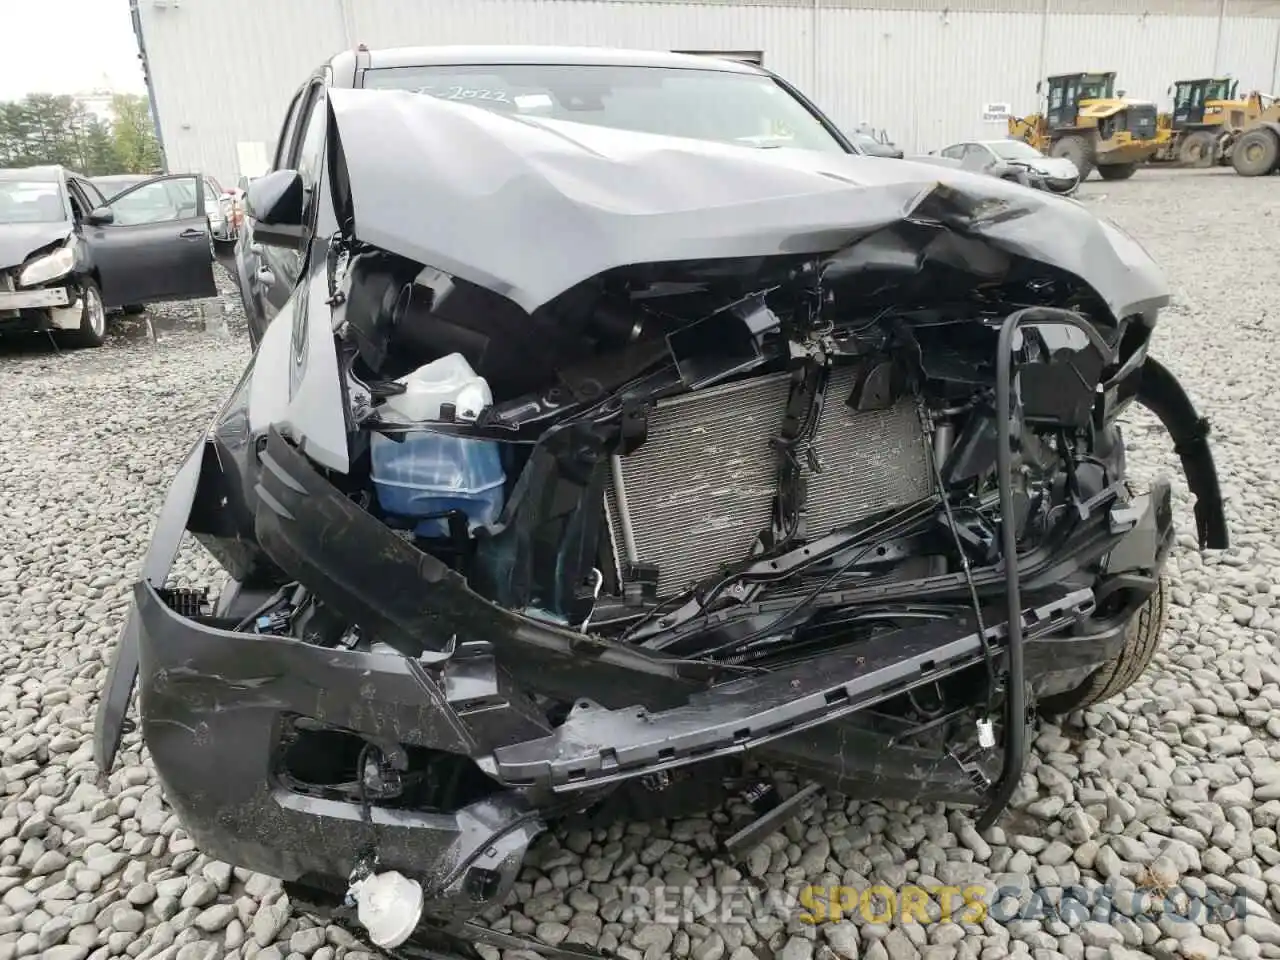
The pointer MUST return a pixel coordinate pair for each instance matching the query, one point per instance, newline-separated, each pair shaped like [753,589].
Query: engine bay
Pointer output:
[734,460]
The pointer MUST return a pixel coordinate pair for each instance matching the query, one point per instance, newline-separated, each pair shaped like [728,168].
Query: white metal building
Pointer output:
[222,71]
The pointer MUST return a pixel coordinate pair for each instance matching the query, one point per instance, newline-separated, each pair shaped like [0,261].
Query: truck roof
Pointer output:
[467,54]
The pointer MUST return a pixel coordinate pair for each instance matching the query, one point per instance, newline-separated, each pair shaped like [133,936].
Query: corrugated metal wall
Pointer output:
[224,69]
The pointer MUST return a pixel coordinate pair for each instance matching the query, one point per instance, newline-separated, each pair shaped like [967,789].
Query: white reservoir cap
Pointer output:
[986,734]
[389,906]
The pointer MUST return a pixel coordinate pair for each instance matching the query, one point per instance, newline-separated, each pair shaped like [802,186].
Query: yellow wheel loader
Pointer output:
[1205,116]
[1255,149]
[1087,122]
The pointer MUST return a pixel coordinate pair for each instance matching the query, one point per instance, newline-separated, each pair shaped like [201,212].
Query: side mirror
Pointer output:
[100,216]
[276,199]
[1169,92]
[1121,93]
[1039,85]
[276,203]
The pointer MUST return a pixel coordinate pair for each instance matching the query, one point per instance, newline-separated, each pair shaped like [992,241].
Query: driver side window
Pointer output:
[308,153]
[287,131]
[159,201]
[78,211]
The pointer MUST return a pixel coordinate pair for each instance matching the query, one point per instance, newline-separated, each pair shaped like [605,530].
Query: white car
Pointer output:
[1055,174]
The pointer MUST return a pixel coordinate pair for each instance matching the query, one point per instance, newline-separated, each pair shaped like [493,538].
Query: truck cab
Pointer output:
[1068,92]
[1199,102]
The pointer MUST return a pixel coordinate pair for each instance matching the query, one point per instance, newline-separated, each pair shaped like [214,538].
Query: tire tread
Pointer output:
[1141,639]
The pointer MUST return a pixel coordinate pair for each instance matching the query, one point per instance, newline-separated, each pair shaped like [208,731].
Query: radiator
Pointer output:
[700,489]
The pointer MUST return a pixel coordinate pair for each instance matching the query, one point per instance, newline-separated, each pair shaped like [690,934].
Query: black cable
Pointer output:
[1016,695]
[366,808]
[883,528]
[987,656]
[369,856]
[891,524]
[275,599]
[776,623]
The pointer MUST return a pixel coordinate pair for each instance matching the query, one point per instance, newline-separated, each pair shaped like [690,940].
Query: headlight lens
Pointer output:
[49,267]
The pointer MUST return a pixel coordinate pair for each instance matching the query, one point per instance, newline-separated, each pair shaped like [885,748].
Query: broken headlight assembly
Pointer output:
[50,266]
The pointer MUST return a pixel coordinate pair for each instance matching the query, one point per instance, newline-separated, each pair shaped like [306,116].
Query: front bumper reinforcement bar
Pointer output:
[595,746]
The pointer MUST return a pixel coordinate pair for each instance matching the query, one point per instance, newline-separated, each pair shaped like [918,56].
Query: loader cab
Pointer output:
[1192,97]
[1067,91]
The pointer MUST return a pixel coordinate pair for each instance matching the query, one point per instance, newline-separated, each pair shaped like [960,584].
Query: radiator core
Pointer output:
[700,489]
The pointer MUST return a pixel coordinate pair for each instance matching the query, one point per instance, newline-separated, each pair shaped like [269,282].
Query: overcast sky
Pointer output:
[68,46]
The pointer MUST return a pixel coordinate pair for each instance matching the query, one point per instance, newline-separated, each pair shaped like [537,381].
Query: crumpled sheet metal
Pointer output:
[530,207]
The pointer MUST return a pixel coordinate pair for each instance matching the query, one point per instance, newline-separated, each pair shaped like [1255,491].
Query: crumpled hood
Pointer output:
[529,208]
[19,240]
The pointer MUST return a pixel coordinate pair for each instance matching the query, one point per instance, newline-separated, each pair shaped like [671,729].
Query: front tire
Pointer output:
[1077,149]
[1198,150]
[93,318]
[1141,638]
[1255,154]
[1118,171]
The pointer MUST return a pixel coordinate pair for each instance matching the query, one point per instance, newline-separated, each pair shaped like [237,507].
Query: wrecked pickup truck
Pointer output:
[583,465]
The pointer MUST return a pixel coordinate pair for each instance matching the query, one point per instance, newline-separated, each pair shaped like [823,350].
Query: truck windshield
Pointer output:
[717,105]
[1097,87]
[1218,90]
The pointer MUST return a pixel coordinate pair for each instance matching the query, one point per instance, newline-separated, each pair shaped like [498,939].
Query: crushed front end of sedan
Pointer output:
[583,464]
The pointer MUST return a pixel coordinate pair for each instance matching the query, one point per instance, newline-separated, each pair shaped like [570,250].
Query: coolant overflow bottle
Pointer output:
[388,906]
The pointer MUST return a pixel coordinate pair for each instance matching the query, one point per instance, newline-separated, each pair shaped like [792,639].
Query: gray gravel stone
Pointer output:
[843,939]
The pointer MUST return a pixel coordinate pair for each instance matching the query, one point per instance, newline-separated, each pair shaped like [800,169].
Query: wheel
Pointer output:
[1118,171]
[93,318]
[1198,149]
[1077,149]
[1141,637]
[1256,152]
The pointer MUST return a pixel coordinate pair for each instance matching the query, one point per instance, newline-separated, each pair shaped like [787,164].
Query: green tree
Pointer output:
[39,129]
[43,128]
[99,149]
[15,134]
[134,134]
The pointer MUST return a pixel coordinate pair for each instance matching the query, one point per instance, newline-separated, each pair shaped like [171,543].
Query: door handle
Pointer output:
[191,233]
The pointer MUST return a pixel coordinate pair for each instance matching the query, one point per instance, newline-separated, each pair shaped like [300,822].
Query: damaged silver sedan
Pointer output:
[584,468]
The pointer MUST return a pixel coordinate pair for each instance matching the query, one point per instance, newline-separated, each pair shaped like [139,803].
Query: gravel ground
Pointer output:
[1173,789]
